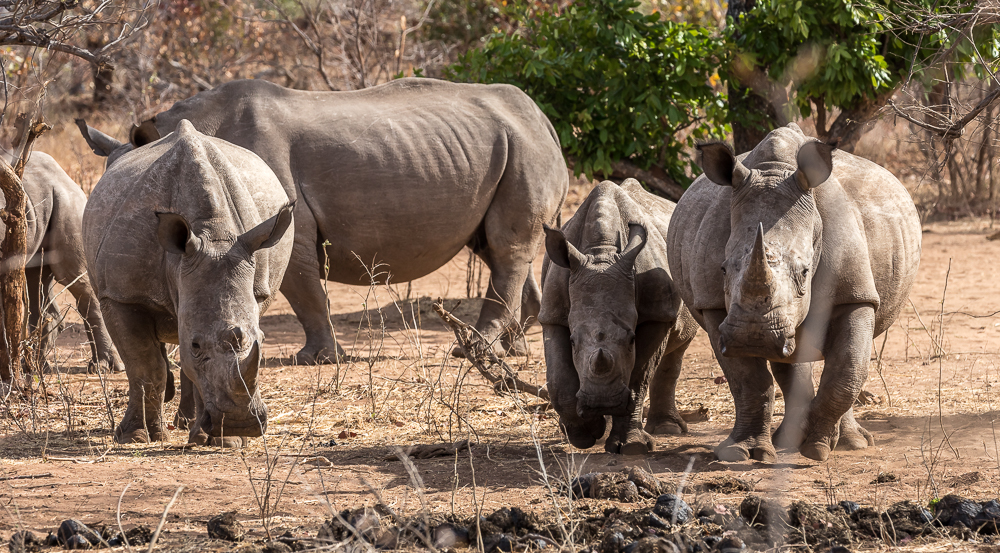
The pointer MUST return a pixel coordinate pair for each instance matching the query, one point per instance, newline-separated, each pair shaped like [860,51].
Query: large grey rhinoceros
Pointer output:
[186,243]
[612,319]
[55,254]
[789,254]
[404,174]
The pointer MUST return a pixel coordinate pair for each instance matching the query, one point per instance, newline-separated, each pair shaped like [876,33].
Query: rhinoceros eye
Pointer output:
[631,338]
[723,269]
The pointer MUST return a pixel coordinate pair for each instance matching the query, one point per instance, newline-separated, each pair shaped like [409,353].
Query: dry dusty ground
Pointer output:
[933,421]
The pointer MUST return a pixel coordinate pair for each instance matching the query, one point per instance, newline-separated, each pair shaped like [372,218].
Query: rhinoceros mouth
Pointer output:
[615,404]
[222,424]
[771,347]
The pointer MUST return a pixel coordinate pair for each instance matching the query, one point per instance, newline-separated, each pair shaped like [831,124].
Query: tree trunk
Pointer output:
[13,253]
[13,249]
[742,98]
[848,128]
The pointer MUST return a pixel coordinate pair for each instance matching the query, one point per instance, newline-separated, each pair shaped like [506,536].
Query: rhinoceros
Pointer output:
[55,254]
[402,175]
[186,243]
[793,253]
[612,319]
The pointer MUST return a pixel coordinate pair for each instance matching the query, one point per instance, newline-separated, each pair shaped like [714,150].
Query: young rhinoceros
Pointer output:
[187,241]
[612,318]
[789,254]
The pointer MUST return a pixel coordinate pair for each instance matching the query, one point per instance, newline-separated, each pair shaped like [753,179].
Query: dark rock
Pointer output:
[225,527]
[77,541]
[763,513]
[988,519]
[71,527]
[839,549]
[580,485]
[24,541]
[448,536]
[367,523]
[815,525]
[647,484]
[901,520]
[849,507]
[52,540]
[498,542]
[656,521]
[294,542]
[672,508]
[954,510]
[711,541]
[652,544]
[613,542]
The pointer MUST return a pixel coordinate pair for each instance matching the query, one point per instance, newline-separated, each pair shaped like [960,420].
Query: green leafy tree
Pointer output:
[845,54]
[626,92]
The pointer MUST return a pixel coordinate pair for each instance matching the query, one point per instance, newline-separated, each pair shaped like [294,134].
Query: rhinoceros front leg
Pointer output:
[187,411]
[627,435]
[795,381]
[145,357]
[847,350]
[563,383]
[663,417]
[302,288]
[753,397]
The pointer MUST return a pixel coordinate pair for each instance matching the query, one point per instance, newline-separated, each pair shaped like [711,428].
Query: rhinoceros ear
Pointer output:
[174,234]
[99,142]
[144,133]
[560,251]
[720,164]
[815,161]
[636,241]
[270,231]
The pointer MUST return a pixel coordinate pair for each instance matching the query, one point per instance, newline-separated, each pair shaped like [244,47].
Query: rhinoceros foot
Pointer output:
[788,435]
[200,437]
[816,450]
[636,442]
[319,356]
[852,435]
[758,449]
[139,436]
[665,428]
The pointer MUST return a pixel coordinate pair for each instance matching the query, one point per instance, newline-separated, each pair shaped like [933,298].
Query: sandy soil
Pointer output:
[333,430]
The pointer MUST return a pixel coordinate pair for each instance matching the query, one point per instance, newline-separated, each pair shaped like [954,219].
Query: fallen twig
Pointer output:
[480,353]
[26,476]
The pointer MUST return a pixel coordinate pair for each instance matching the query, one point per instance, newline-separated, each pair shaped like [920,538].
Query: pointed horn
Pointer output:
[603,362]
[758,272]
[253,366]
[636,241]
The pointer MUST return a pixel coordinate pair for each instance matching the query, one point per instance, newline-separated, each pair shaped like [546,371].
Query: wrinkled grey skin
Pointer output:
[55,254]
[187,241]
[404,174]
[793,254]
[612,319]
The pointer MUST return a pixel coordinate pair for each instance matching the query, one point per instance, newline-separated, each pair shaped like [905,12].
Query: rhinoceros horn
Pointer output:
[636,241]
[603,363]
[253,365]
[758,275]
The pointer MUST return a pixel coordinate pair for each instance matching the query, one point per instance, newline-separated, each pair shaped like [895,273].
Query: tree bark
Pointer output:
[848,128]
[13,251]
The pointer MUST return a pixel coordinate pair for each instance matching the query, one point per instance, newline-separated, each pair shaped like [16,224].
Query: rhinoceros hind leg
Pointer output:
[852,435]
[303,289]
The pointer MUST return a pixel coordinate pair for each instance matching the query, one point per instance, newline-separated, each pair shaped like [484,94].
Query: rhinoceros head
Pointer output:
[775,240]
[602,317]
[218,310]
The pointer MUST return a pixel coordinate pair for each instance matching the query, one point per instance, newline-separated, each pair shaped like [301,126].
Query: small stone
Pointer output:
[988,520]
[276,547]
[499,542]
[581,485]
[139,535]
[71,527]
[849,507]
[77,541]
[730,544]
[657,521]
[226,527]
[885,478]
[52,540]
[613,542]
[954,510]
[763,513]
[673,508]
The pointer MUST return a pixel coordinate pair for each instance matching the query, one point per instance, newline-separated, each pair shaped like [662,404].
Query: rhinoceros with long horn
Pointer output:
[790,254]
[613,321]
[187,240]
[402,175]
